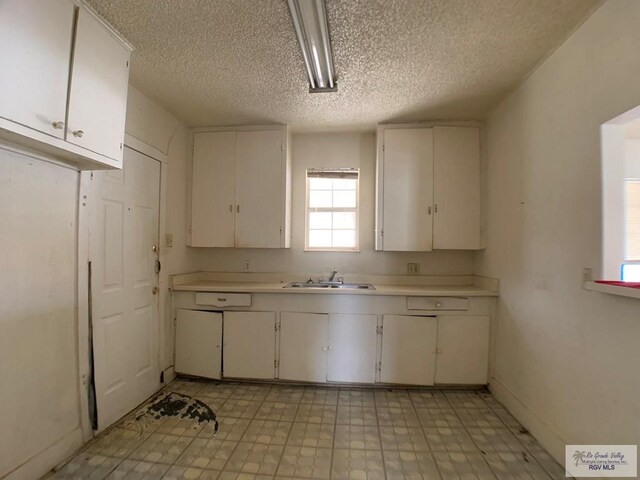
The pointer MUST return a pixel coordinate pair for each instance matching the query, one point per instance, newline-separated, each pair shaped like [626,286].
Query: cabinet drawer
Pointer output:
[437,303]
[223,299]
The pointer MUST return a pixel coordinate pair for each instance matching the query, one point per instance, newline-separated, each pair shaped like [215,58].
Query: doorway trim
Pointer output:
[83,314]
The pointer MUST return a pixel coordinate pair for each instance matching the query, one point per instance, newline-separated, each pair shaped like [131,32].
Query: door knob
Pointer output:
[154,248]
[57,125]
[78,133]
[155,290]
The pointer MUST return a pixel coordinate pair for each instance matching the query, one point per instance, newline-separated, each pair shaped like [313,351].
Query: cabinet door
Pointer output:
[303,346]
[249,344]
[213,189]
[456,188]
[463,350]
[407,194]
[352,348]
[260,189]
[35,48]
[98,92]
[408,349]
[199,343]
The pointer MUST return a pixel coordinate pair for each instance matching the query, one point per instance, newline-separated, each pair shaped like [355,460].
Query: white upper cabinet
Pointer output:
[98,91]
[456,221]
[35,51]
[240,194]
[63,90]
[428,188]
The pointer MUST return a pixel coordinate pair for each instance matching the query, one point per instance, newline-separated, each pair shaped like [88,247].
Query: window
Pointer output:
[631,266]
[332,209]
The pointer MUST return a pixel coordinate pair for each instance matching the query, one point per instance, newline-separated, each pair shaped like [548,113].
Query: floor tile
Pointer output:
[356,397]
[403,438]
[135,470]
[428,399]
[87,466]
[285,394]
[305,462]
[190,473]
[479,417]
[117,442]
[357,437]
[311,435]
[161,448]
[316,413]
[465,399]
[508,419]
[255,458]
[268,432]
[251,392]
[462,465]
[446,439]
[357,464]
[491,440]
[354,415]
[229,428]
[320,396]
[392,398]
[438,417]
[186,386]
[186,427]
[243,476]
[507,466]
[418,465]
[207,453]
[278,411]
[546,461]
[219,391]
[238,408]
[398,416]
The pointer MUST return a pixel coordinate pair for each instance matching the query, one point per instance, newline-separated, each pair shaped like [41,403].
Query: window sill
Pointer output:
[612,289]
[332,250]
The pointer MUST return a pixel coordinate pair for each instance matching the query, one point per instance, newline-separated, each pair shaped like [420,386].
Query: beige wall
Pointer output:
[565,360]
[333,150]
[39,399]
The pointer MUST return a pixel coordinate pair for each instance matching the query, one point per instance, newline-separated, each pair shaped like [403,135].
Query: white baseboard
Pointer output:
[169,375]
[546,435]
[42,462]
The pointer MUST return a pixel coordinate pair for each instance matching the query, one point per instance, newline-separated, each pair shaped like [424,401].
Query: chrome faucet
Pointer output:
[333,275]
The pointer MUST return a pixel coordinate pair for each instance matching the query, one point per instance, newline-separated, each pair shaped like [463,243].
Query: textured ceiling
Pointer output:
[233,62]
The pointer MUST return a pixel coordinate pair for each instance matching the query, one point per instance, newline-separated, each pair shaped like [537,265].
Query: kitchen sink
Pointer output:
[344,286]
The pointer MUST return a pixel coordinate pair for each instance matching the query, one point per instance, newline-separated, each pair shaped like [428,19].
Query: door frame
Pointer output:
[84,215]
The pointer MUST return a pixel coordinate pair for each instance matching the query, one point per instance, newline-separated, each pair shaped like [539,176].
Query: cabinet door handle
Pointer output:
[78,133]
[231,208]
[58,125]
[237,208]
[222,299]
[435,208]
[429,210]
[438,304]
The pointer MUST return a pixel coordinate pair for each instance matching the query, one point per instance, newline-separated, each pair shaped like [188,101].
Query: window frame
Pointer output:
[309,210]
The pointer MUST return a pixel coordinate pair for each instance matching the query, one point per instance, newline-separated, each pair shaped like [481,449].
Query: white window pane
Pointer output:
[632,220]
[344,220]
[320,238]
[320,199]
[344,199]
[631,273]
[319,220]
[344,238]
[316,183]
[344,184]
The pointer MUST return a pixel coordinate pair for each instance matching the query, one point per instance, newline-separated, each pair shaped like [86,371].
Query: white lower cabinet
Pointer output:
[463,350]
[408,349]
[352,348]
[249,345]
[303,346]
[198,343]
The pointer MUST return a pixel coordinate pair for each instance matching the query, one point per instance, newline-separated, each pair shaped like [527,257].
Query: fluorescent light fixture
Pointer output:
[310,23]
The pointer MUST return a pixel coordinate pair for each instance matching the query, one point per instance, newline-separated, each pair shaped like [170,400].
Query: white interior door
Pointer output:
[260,189]
[352,348]
[408,349]
[123,250]
[456,173]
[407,189]
[463,349]
[35,48]
[198,343]
[303,346]
[213,189]
[98,92]
[249,344]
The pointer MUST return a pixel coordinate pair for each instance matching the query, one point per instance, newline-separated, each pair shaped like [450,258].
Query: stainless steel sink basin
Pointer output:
[352,286]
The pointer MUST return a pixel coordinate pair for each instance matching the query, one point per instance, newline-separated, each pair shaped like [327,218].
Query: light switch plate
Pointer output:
[168,240]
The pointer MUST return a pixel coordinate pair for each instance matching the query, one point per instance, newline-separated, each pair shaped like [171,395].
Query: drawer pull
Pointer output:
[222,299]
[438,304]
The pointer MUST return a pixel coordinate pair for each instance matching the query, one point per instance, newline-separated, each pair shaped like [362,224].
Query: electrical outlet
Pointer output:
[587,275]
[247,266]
[168,240]
[413,268]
